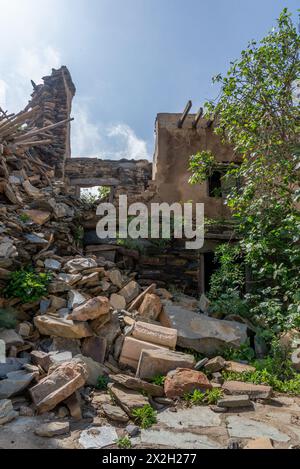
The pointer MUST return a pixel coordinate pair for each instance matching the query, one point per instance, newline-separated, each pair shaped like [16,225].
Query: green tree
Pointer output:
[257,113]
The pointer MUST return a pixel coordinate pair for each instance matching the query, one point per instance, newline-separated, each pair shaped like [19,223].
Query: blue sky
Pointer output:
[129,59]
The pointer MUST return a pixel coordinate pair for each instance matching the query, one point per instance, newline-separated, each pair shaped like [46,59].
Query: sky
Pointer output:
[129,59]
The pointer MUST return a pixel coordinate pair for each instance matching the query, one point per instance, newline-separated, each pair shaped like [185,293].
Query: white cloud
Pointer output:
[114,141]
[27,64]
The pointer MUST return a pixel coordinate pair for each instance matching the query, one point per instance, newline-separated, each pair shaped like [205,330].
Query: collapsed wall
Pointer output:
[54,97]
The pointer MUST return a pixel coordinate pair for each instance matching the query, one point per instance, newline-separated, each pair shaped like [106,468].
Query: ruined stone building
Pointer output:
[178,136]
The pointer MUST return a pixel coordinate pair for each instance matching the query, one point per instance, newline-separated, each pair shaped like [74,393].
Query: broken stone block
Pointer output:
[134,306]
[38,216]
[132,349]
[93,369]
[115,277]
[238,367]
[57,302]
[48,325]
[115,413]
[11,338]
[32,191]
[137,384]
[215,364]
[98,324]
[58,386]
[130,291]
[259,443]
[204,304]
[11,364]
[95,348]
[235,401]
[127,399]
[61,344]
[80,263]
[254,391]
[58,286]
[160,362]
[25,329]
[69,279]
[75,299]
[295,358]
[15,383]
[52,264]
[151,306]
[155,334]
[202,333]
[181,381]
[109,331]
[56,358]
[200,364]
[7,412]
[92,309]
[97,437]
[117,302]
[41,359]
[49,430]
[74,405]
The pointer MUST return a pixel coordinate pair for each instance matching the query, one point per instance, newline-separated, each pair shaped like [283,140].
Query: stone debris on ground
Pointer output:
[99,342]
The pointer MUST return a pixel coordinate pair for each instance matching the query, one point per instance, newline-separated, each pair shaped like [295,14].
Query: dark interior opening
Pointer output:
[210,266]
[215,184]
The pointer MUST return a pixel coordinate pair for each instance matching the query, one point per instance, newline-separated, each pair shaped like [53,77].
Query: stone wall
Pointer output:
[54,97]
[126,177]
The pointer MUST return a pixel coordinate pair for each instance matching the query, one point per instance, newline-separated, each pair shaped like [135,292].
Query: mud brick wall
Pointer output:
[54,97]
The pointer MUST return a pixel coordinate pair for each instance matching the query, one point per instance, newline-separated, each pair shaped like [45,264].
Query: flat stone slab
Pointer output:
[241,427]
[184,440]
[254,391]
[127,399]
[235,401]
[114,412]
[15,383]
[202,333]
[49,430]
[137,384]
[7,413]
[98,437]
[193,417]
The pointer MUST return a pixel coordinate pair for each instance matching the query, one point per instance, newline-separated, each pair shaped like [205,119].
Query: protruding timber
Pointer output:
[197,118]
[184,114]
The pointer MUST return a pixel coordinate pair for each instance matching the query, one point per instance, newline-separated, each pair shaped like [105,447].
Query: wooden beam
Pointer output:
[184,114]
[197,118]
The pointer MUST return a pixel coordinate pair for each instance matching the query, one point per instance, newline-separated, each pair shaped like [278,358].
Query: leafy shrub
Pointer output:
[102,383]
[159,380]
[124,443]
[28,285]
[145,416]
[24,217]
[209,397]
[244,353]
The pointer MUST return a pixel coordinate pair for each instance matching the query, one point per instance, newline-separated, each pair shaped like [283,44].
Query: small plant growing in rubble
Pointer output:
[28,285]
[102,383]
[159,380]
[124,443]
[24,217]
[198,397]
[145,416]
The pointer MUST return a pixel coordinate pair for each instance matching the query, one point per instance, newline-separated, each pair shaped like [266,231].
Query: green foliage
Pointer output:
[230,274]
[201,165]
[89,199]
[8,318]
[78,233]
[276,370]
[28,285]
[244,353]
[257,113]
[159,380]
[102,383]
[197,397]
[24,217]
[103,192]
[144,416]
[124,442]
